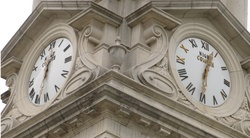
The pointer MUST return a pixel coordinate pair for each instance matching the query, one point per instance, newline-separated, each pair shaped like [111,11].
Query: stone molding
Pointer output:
[56,31]
[131,101]
[196,29]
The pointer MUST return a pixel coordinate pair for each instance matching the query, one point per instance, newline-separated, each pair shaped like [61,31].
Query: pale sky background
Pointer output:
[13,14]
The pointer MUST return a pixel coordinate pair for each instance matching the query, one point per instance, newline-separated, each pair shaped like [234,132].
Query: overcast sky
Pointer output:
[13,13]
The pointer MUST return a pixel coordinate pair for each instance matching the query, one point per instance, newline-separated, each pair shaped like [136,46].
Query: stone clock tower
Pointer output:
[129,69]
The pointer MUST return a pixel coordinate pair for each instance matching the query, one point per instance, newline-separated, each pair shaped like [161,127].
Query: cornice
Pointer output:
[37,22]
[115,90]
[45,13]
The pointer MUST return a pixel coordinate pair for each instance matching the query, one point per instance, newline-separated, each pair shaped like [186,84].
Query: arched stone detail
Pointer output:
[236,97]
[52,33]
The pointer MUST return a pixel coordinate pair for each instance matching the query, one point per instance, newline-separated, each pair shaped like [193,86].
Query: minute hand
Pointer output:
[47,62]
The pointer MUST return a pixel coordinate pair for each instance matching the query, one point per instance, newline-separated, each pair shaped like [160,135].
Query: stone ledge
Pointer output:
[113,93]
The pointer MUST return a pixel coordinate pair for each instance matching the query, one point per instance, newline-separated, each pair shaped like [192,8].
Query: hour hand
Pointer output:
[205,74]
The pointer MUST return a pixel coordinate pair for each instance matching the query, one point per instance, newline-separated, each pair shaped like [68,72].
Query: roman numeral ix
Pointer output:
[180,60]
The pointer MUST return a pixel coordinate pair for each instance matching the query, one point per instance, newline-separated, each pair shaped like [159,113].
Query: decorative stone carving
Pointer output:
[18,115]
[160,83]
[7,124]
[79,78]
[156,39]
[153,72]
[247,83]
[11,82]
[239,120]
[185,101]
[243,126]
[117,54]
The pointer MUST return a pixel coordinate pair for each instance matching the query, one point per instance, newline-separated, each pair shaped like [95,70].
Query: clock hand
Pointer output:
[47,62]
[205,74]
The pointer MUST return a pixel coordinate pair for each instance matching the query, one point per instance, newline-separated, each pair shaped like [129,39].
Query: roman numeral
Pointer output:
[31,83]
[190,88]
[180,60]
[183,73]
[65,73]
[223,68]
[214,100]
[42,54]
[216,54]
[223,94]
[34,68]
[46,97]
[37,100]
[60,43]
[67,59]
[52,45]
[57,88]
[227,83]
[203,98]
[205,45]
[66,48]
[32,94]
[184,48]
[53,57]
[192,41]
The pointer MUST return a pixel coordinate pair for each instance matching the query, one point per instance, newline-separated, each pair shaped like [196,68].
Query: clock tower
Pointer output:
[129,69]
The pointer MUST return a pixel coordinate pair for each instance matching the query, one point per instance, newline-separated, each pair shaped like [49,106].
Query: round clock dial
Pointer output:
[50,71]
[202,71]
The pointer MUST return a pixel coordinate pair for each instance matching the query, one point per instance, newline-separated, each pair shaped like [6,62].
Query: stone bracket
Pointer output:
[245,64]
[97,12]
[149,12]
[12,65]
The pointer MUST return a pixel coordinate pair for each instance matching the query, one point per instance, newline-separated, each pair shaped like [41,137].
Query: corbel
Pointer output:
[12,65]
[245,64]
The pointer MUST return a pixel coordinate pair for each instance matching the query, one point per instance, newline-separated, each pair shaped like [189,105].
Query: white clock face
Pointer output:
[202,71]
[50,71]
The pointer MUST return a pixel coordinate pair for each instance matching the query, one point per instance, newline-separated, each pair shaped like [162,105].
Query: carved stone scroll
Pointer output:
[243,126]
[79,78]
[7,124]
[160,83]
